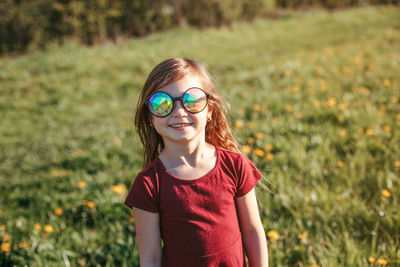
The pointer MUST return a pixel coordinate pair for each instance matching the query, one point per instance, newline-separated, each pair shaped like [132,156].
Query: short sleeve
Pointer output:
[248,178]
[143,194]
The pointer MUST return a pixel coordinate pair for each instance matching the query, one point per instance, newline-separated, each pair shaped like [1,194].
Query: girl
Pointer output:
[196,191]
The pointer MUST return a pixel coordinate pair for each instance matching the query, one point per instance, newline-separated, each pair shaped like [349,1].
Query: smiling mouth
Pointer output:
[180,125]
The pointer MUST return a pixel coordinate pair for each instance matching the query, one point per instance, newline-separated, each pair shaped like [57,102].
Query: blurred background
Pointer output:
[313,88]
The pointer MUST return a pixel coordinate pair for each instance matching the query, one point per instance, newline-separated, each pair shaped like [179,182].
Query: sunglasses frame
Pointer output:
[174,99]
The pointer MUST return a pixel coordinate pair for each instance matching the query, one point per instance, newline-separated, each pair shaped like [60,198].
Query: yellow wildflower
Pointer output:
[238,124]
[23,245]
[6,238]
[119,189]
[246,149]
[386,193]
[256,107]
[258,152]
[48,228]
[91,204]
[269,157]
[340,163]
[268,147]
[79,152]
[3,227]
[331,102]
[371,259]
[250,140]
[82,184]
[37,226]
[339,197]
[289,108]
[303,236]
[298,115]
[58,211]
[382,262]
[339,117]
[387,128]
[259,135]
[6,247]
[395,99]
[397,164]
[250,124]
[342,132]
[273,236]
[369,132]
[386,82]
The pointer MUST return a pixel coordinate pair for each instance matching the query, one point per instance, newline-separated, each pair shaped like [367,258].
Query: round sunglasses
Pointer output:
[161,104]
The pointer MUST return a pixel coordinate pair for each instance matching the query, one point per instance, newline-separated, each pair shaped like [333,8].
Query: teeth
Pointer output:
[178,125]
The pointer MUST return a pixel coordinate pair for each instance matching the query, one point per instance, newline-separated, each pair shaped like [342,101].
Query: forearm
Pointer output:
[256,247]
[150,263]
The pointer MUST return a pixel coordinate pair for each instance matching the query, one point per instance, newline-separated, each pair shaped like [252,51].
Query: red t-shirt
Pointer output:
[198,218]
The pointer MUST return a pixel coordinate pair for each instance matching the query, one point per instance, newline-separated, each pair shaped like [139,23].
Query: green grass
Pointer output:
[322,88]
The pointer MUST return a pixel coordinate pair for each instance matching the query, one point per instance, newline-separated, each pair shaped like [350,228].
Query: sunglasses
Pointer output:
[161,104]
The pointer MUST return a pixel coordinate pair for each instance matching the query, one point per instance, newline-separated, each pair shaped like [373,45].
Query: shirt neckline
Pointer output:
[189,181]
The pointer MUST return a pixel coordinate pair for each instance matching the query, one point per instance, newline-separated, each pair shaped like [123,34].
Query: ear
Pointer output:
[209,113]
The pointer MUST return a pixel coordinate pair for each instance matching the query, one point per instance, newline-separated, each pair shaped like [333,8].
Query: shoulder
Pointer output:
[232,157]
[149,174]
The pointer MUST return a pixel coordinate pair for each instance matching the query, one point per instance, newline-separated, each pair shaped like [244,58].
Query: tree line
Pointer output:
[27,25]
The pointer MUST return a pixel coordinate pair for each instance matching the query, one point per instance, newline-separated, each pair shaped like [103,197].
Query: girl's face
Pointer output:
[181,126]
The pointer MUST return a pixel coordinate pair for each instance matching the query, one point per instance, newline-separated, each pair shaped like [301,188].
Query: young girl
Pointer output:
[196,192]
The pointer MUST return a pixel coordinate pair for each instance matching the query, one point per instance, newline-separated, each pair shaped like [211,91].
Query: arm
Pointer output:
[148,237]
[252,230]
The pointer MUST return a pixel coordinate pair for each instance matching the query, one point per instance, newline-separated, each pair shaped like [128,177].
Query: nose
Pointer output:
[179,110]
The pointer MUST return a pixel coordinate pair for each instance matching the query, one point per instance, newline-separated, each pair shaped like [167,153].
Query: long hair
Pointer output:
[167,72]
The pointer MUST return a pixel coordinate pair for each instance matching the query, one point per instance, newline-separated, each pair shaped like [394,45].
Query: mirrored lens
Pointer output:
[194,100]
[160,104]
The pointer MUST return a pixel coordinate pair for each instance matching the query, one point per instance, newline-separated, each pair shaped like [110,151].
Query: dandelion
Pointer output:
[316,103]
[6,238]
[23,245]
[303,236]
[298,115]
[250,140]
[238,124]
[395,99]
[58,211]
[2,228]
[273,236]
[342,132]
[48,228]
[259,135]
[268,147]
[82,184]
[250,124]
[256,107]
[340,164]
[386,193]
[79,152]
[382,262]
[246,149]
[339,198]
[397,164]
[371,259]
[6,247]
[258,152]
[269,157]
[386,128]
[295,89]
[119,189]
[91,204]
[37,226]
[386,82]
[331,102]
[289,108]
[369,132]
[339,117]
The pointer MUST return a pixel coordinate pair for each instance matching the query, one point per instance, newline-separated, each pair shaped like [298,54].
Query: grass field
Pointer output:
[315,104]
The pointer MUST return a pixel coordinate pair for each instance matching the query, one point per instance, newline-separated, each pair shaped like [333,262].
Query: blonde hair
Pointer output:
[165,73]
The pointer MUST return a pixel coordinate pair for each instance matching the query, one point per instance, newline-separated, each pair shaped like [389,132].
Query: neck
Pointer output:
[186,153]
